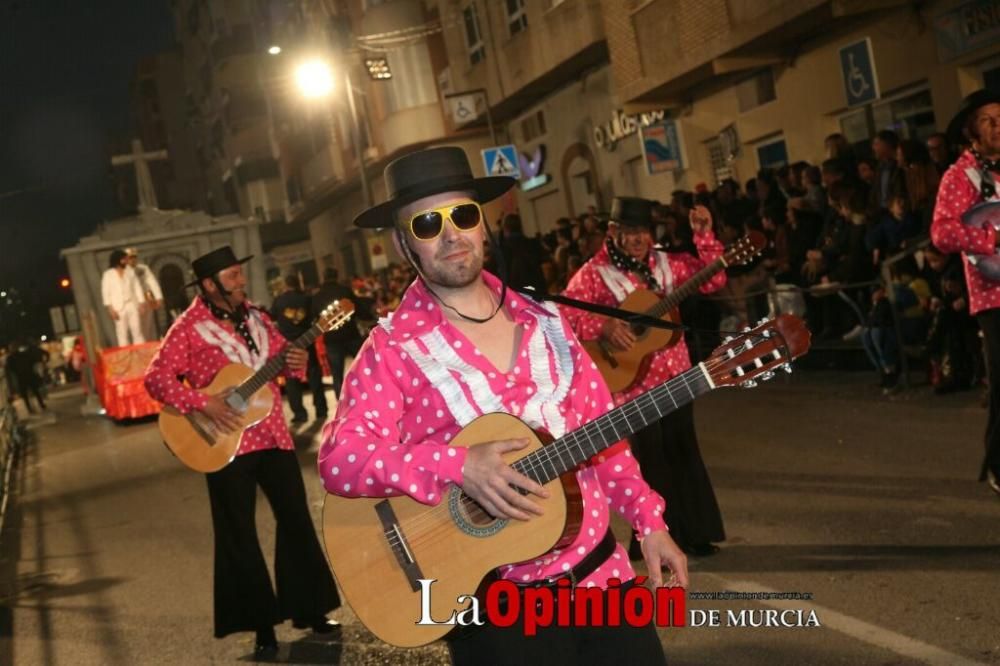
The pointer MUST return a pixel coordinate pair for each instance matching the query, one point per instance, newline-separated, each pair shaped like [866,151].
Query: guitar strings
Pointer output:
[475,511]
[415,527]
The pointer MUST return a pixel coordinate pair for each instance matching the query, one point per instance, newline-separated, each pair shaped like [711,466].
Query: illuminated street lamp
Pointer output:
[378,68]
[315,80]
[274,50]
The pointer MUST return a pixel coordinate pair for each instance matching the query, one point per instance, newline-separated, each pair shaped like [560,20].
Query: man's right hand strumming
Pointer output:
[490,481]
[618,333]
[223,416]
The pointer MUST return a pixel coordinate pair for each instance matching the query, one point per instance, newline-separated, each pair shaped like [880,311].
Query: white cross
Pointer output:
[143,180]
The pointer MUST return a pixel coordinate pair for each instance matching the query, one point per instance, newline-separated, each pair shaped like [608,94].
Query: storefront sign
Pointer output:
[661,147]
[967,27]
[622,125]
[531,169]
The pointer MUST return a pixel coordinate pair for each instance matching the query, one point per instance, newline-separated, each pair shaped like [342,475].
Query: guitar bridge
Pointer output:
[397,543]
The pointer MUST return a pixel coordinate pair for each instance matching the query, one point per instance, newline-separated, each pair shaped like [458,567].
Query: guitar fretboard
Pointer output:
[674,298]
[583,443]
[271,369]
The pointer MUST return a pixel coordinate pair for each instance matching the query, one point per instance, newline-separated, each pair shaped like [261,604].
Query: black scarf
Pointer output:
[239,316]
[627,263]
[988,187]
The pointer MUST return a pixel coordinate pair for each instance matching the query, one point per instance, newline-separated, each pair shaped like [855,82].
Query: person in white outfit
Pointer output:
[152,295]
[123,297]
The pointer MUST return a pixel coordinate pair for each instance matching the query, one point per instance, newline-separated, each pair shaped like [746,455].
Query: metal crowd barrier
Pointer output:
[10,444]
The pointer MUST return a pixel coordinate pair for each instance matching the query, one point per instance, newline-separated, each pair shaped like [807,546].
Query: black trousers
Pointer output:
[244,597]
[989,322]
[557,646]
[314,377]
[671,464]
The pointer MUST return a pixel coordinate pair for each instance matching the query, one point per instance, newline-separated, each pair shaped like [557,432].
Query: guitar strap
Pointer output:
[635,318]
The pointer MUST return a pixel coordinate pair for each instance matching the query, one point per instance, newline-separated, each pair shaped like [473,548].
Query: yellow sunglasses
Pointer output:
[428,225]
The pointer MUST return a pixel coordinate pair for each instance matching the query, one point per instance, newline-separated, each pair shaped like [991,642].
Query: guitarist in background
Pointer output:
[974,179]
[668,450]
[461,345]
[220,327]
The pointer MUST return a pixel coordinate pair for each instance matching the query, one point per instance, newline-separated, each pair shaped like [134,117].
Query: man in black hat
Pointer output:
[221,327]
[667,450]
[459,346]
[972,180]
[292,311]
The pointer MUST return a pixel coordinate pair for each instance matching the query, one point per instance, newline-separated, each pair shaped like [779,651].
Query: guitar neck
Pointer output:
[693,284]
[583,443]
[274,366]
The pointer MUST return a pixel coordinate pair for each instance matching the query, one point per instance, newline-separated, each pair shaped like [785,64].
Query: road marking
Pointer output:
[855,628]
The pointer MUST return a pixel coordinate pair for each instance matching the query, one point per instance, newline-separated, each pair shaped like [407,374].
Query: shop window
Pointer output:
[722,168]
[773,154]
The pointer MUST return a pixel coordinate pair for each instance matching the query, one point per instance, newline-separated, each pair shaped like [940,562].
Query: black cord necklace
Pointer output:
[238,316]
[988,187]
[626,263]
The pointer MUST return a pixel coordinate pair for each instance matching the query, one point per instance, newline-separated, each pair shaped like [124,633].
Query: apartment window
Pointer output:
[517,18]
[533,126]
[721,166]
[755,91]
[473,36]
[772,154]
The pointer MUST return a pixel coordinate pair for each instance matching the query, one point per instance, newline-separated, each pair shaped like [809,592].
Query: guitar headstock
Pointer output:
[335,315]
[745,249]
[755,354]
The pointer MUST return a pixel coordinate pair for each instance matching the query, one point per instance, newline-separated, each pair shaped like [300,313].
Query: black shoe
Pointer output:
[320,625]
[266,643]
[299,418]
[994,484]
[701,549]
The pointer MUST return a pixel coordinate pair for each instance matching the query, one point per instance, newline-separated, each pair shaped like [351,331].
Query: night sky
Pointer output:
[65,67]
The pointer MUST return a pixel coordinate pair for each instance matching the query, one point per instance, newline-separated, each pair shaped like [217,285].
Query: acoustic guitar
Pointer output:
[194,437]
[621,369]
[380,548]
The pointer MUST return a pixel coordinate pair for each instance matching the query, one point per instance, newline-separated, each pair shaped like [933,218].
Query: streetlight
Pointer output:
[274,50]
[315,80]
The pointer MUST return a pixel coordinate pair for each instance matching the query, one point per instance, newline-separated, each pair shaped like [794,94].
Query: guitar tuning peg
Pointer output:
[787,368]
[762,321]
[746,329]
[764,376]
[727,339]
[748,384]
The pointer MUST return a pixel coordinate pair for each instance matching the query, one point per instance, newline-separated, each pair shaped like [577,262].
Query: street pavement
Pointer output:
[866,504]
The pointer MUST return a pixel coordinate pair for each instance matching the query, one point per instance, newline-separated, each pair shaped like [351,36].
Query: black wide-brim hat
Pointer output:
[632,212]
[425,173]
[968,106]
[219,259]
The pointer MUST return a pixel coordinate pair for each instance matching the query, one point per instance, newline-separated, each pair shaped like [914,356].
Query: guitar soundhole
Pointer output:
[470,517]
[640,331]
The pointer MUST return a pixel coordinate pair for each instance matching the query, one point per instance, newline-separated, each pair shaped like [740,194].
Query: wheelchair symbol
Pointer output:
[857,84]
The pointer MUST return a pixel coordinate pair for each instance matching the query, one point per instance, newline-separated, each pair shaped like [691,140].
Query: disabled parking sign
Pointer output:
[857,66]
[501,161]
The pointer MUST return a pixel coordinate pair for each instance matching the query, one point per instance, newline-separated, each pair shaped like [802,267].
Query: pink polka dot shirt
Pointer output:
[196,347]
[418,380]
[957,194]
[590,284]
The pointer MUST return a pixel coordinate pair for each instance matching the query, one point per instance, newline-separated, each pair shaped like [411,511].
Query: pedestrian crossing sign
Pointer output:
[501,161]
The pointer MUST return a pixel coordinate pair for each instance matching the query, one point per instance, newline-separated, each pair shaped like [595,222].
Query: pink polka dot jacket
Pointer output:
[600,281]
[956,194]
[197,347]
[418,380]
